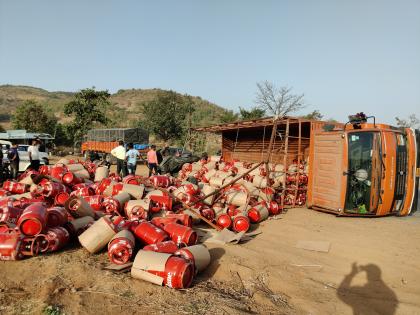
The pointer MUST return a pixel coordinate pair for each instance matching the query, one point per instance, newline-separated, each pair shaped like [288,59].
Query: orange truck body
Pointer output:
[367,171]
[102,147]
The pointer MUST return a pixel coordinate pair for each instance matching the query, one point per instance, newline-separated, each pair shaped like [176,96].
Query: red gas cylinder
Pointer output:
[4,193]
[162,221]
[149,233]
[182,218]
[6,202]
[178,273]
[33,219]
[103,185]
[95,202]
[274,208]
[78,226]
[199,255]
[25,202]
[187,167]
[120,248]
[160,203]
[61,198]
[58,171]
[168,247]
[241,223]
[15,246]
[191,189]
[15,187]
[181,234]
[70,179]
[57,216]
[160,181]
[52,189]
[10,214]
[83,192]
[131,179]
[231,210]
[224,220]
[57,238]
[208,213]
[44,170]
[258,213]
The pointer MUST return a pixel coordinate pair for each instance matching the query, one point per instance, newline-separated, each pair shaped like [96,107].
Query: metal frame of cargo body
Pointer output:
[249,141]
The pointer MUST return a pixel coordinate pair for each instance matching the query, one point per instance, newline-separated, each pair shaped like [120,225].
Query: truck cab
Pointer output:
[364,169]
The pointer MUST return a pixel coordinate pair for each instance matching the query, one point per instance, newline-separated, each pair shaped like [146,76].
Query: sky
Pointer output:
[345,56]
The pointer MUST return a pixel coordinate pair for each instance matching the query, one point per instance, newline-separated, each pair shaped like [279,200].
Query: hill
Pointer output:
[125,112]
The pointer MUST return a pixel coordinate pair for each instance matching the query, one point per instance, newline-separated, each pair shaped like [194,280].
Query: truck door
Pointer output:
[327,166]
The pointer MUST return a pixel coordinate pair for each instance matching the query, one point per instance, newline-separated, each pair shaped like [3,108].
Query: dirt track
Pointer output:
[265,275]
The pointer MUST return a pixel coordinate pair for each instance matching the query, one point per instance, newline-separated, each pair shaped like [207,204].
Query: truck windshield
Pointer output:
[363,171]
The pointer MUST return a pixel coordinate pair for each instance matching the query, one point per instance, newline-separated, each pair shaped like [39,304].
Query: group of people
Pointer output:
[127,159]
[14,159]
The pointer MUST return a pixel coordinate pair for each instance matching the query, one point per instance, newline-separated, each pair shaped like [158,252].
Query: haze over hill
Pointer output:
[125,110]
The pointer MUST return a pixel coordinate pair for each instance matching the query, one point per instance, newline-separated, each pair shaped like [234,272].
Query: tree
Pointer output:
[253,113]
[278,101]
[33,117]
[229,116]
[315,115]
[411,122]
[165,115]
[87,109]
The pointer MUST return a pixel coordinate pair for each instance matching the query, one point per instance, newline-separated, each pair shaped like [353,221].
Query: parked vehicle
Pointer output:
[364,169]
[23,155]
[104,140]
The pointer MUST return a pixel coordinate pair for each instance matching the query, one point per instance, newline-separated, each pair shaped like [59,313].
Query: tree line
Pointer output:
[168,116]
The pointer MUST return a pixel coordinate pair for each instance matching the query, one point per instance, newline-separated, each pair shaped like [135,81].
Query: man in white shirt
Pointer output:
[33,151]
[119,153]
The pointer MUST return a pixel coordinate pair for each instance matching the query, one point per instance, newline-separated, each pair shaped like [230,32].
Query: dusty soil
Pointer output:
[267,275]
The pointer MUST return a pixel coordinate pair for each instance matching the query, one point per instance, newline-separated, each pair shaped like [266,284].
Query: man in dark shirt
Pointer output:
[13,156]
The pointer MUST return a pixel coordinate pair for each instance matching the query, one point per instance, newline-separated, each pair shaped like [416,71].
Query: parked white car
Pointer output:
[24,156]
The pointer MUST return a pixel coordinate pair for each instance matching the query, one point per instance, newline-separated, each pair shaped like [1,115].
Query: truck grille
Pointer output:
[401,174]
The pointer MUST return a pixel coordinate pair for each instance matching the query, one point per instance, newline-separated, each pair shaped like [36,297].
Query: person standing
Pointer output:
[132,156]
[119,153]
[13,156]
[33,152]
[152,160]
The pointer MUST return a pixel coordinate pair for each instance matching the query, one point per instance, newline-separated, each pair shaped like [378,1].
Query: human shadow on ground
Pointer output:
[375,297]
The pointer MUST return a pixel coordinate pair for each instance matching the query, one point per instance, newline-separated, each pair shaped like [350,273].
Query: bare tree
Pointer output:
[278,101]
[412,121]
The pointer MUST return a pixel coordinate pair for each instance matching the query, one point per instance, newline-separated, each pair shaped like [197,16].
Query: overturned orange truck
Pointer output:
[364,168]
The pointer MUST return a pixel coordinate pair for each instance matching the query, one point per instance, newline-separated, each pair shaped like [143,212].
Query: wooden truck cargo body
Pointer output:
[369,170]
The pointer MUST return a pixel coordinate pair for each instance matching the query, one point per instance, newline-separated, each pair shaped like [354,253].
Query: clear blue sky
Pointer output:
[346,56]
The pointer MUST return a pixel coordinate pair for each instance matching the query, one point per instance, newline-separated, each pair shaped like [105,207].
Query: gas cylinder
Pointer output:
[78,226]
[61,198]
[33,219]
[15,246]
[57,237]
[240,223]
[71,179]
[174,272]
[98,235]
[95,202]
[224,220]
[181,234]
[15,187]
[149,233]
[132,179]
[52,189]
[160,181]
[199,255]
[160,203]
[4,193]
[208,213]
[78,207]
[57,216]
[10,214]
[101,173]
[120,247]
[137,209]
[258,213]
[168,247]
[58,171]
[274,208]
[182,218]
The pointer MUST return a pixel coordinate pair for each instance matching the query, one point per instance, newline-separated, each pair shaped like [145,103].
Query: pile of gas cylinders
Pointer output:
[143,222]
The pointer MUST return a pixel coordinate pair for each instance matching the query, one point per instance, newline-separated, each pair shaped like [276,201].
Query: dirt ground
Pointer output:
[267,275]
